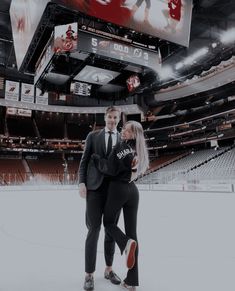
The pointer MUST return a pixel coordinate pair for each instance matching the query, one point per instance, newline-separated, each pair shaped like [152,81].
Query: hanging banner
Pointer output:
[27,93]
[12,91]
[41,99]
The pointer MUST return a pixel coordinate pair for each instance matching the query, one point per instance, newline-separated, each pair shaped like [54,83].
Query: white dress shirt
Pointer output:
[114,137]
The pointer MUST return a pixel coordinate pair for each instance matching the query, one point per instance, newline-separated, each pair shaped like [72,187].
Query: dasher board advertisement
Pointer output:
[19,112]
[166,19]
[41,97]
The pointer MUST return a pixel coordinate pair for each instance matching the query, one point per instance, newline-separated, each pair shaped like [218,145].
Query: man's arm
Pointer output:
[113,165]
[83,166]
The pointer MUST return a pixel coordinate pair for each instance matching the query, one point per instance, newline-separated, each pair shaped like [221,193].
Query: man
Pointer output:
[93,186]
[146,10]
[173,15]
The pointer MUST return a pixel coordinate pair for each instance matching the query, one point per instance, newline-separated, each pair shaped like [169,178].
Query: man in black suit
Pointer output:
[94,187]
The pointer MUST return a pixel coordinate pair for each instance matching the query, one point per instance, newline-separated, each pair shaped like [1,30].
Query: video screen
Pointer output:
[132,83]
[116,50]
[95,75]
[166,19]
[25,16]
[79,88]
[65,38]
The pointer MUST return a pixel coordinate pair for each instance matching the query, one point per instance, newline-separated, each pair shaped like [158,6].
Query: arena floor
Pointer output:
[186,241]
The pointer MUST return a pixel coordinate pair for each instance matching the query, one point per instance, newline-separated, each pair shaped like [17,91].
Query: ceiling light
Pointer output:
[192,59]
[166,73]
[214,44]
[228,36]
[179,65]
[201,52]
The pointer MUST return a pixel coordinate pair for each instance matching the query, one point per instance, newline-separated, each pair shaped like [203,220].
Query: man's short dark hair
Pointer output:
[111,109]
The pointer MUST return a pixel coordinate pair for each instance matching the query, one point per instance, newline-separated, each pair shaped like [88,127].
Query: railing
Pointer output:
[218,175]
[37,179]
[221,175]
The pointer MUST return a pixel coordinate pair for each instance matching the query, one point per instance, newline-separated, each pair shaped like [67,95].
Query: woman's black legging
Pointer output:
[123,195]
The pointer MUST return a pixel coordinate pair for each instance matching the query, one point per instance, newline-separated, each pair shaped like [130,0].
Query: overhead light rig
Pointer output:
[55,14]
[103,55]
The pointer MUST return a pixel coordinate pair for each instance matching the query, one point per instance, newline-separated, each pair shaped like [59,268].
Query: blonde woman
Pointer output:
[128,160]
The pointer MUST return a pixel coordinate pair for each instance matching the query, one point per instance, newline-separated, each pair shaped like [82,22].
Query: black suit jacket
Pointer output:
[88,173]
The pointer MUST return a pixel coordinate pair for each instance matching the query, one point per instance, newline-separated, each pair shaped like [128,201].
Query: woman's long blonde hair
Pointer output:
[141,148]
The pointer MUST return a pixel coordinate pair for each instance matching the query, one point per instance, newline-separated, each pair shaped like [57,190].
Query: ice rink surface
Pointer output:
[186,240]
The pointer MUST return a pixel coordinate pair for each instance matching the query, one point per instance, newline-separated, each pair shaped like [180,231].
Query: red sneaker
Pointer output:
[130,253]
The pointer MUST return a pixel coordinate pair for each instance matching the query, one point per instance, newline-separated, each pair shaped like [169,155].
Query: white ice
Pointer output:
[186,241]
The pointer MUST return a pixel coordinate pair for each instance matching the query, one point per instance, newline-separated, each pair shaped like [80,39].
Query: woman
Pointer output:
[127,161]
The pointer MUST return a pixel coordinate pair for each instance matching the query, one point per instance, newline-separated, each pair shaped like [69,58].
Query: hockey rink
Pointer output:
[186,241]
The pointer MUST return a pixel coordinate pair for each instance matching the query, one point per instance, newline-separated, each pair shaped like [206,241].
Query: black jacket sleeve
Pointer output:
[85,159]
[116,164]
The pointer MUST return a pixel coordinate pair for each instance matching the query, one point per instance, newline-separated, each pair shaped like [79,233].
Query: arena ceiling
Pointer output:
[209,19]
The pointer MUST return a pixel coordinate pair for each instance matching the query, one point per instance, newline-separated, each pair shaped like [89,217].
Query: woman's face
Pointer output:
[127,132]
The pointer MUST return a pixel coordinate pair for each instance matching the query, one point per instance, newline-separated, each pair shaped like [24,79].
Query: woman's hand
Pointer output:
[134,163]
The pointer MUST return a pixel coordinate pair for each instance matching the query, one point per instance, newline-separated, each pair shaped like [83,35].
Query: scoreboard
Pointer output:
[117,50]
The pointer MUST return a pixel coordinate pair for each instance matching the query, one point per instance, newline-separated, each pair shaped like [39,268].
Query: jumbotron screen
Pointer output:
[132,83]
[166,19]
[25,17]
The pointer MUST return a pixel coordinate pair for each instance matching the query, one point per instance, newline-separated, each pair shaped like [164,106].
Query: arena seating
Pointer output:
[179,168]
[12,171]
[50,125]
[20,127]
[221,168]
[53,169]
[39,169]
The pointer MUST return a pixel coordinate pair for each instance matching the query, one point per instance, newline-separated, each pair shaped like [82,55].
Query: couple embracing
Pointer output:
[109,165]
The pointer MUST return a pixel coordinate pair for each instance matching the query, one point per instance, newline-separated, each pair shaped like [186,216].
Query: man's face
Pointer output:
[111,119]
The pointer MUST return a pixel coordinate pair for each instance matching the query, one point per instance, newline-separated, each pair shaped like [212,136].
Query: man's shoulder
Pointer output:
[95,133]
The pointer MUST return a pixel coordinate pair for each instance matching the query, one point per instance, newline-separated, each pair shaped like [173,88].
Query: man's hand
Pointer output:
[82,190]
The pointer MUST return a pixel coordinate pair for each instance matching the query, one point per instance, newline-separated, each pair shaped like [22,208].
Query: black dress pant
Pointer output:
[123,195]
[95,202]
